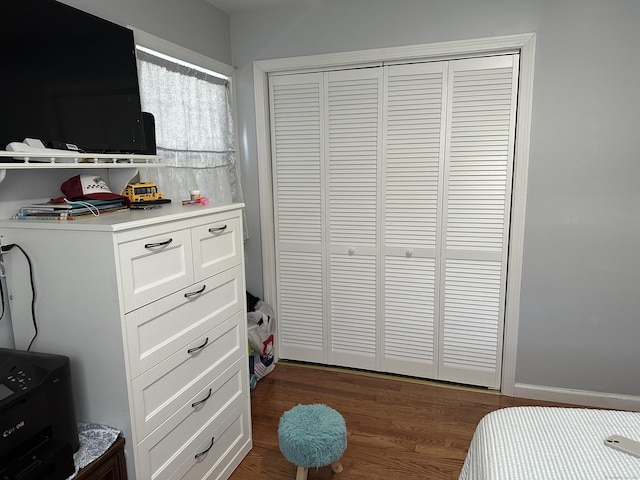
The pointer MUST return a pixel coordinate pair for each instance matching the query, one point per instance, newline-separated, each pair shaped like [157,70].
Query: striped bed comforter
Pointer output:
[545,443]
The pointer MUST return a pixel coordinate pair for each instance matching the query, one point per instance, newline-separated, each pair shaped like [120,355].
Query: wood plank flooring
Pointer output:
[396,428]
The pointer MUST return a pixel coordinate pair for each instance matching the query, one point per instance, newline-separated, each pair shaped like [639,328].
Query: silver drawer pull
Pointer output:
[195,349]
[217,229]
[200,402]
[198,292]
[159,244]
[198,455]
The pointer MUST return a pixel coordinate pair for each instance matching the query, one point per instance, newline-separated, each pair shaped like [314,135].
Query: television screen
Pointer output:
[67,77]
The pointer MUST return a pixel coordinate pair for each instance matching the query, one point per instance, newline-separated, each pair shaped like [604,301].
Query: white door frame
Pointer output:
[523,43]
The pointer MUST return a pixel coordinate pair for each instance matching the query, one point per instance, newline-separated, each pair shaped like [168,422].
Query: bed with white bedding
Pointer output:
[551,443]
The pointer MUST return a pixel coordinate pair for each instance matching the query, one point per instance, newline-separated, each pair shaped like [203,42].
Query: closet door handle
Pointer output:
[158,244]
[217,229]
[195,349]
[197,292]
[198,455]
[200,402]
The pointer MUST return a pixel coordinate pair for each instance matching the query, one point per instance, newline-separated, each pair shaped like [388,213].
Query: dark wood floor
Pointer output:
[396,428]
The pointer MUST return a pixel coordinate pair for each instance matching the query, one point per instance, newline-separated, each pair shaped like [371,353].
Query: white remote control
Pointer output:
[623,444]
[31,145]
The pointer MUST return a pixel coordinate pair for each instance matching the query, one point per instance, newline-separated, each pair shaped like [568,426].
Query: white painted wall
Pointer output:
[193,24]
[580,300]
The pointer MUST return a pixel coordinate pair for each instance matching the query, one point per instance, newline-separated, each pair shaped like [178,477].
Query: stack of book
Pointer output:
[70,210]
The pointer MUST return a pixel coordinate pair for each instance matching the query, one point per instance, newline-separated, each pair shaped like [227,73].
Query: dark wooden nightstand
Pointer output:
[110,466]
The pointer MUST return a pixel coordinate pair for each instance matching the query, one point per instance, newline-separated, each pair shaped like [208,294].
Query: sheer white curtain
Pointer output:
[194,131]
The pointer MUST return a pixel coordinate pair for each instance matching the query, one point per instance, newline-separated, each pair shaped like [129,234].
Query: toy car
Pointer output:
[144,192]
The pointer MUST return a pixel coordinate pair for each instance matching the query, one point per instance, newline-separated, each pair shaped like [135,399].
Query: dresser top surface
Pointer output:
[124,221]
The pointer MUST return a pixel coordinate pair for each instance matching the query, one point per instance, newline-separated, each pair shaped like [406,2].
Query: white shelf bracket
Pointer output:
[120,178]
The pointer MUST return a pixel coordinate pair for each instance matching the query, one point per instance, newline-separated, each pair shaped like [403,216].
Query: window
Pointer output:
[194,128]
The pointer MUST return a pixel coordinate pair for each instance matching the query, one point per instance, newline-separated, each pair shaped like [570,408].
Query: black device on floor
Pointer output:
[37,416]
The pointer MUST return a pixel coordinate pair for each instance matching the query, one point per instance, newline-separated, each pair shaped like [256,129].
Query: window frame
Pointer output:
[198,60]
[160,45]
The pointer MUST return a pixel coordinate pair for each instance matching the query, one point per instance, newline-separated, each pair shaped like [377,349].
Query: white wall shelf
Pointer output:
[124,166]
[71,159]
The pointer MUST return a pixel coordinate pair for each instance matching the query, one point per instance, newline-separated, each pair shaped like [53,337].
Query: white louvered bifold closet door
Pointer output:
[476,200]
[412,162]
[354,118]
[392,193]
[297,137]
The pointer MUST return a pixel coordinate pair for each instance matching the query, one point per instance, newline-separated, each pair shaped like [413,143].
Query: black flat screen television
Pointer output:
[67,77]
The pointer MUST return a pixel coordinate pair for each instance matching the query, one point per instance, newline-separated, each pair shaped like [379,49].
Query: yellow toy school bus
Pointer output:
[142,192]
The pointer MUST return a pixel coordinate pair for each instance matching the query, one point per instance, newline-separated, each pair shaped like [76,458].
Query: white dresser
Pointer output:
[150,308]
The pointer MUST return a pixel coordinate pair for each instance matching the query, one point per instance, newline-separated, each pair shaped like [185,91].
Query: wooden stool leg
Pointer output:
[302,473]
[336,466]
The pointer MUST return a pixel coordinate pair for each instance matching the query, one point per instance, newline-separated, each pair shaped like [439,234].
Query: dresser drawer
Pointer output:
[216,245]
[155,266]
[156,331]
[161,391]
[232,441]
[193,430]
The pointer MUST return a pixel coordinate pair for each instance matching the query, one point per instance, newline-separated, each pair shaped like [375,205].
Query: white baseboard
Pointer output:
[578,397]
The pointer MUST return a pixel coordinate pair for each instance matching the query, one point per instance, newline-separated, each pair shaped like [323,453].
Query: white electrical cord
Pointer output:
[92,208]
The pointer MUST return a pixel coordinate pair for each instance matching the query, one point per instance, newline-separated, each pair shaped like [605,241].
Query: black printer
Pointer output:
[38,429]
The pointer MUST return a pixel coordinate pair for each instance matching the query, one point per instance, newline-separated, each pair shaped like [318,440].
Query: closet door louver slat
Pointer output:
[471,307]
[353,310]
[409,291]
[301,306]
[296,115]
[477,202]
[353,129]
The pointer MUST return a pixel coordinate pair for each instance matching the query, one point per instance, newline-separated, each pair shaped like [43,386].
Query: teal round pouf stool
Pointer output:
[312,436]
